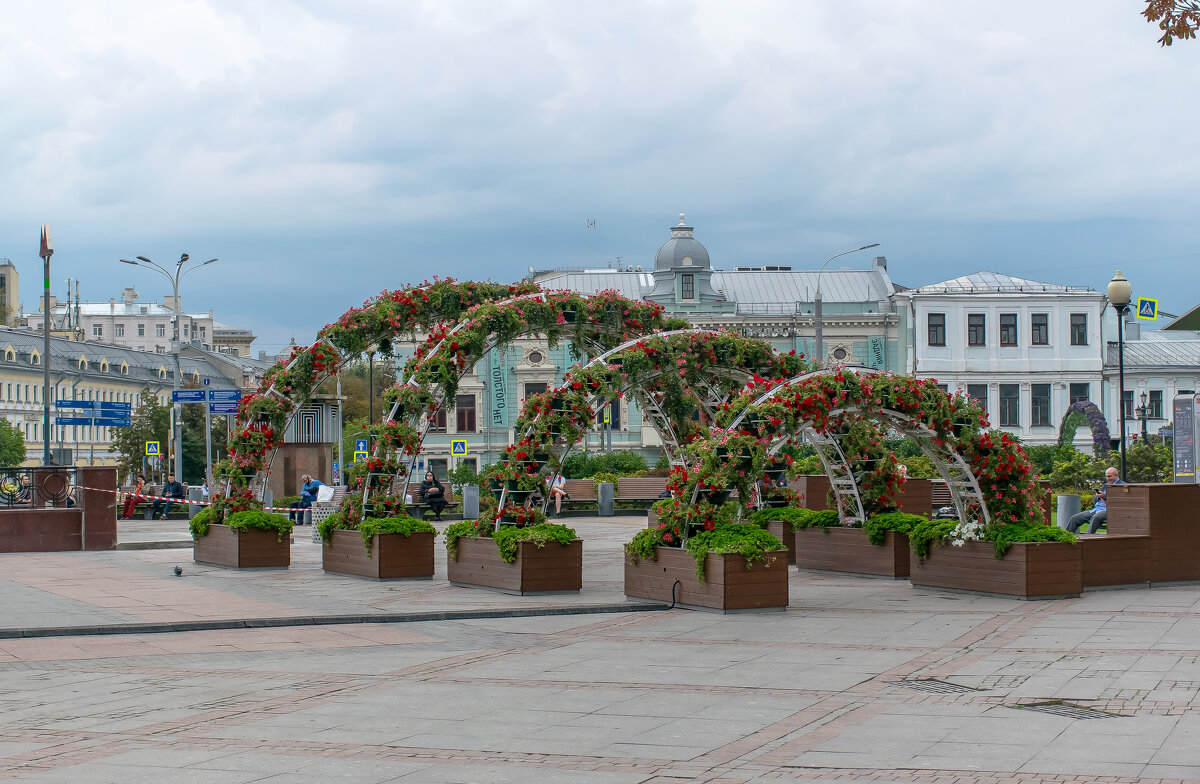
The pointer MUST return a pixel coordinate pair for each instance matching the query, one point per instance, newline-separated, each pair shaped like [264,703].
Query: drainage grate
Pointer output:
[1069,710]
[933,686]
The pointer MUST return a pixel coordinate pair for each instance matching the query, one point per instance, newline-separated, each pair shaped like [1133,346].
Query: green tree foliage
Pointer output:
[354,387]
[1176,18]
[1146,462]
[193,442]
[1073,470]
[149,422]
[1044,456]
[12,444]
[621,463]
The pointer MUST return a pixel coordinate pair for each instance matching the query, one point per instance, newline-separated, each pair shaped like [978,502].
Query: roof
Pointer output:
[1155,350]
[743,287]
[995,282]
[1188,321]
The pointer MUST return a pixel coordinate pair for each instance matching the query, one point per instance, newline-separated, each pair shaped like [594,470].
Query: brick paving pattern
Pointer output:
[821,693]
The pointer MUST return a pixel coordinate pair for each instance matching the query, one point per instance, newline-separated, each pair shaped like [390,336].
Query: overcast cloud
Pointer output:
[326,150]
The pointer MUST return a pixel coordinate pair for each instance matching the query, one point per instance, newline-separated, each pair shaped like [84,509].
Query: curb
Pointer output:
[321,620]
[181,544]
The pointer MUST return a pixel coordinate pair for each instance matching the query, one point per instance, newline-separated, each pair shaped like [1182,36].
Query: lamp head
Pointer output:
[143,258]
[129,261]
[1119,290]
[183,257]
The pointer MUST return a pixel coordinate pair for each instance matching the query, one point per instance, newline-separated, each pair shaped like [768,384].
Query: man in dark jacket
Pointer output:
[171,489]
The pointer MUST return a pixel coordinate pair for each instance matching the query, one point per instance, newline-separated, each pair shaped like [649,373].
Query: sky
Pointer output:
[325,151]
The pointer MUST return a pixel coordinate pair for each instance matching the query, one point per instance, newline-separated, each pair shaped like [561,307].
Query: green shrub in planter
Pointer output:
[878,525]
[798,518]
[263,521]
[507,537]
[199,524]
[748,541]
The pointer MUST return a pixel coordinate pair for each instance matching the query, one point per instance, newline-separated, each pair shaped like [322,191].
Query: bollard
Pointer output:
[1068,505]
[604,498]
[470,502]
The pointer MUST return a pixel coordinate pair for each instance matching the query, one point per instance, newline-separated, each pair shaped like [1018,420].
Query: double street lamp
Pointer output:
[174,278]
[817,315]
[1119,295]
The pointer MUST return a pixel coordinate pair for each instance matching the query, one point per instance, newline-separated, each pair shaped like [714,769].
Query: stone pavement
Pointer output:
[860,680]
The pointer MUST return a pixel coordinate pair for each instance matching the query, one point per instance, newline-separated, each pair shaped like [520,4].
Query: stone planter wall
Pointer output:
[554,568]
[248,549]
[728,584]
[1031,570]
[392,556]
[847,550]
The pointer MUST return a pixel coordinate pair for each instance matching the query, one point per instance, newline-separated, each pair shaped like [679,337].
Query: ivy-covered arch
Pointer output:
[1085,412]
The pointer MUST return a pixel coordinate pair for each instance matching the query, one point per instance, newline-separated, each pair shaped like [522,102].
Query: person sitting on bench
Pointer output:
[434,494]
[171,489]
[1098,514]
[559,491]
[308,493]
[133,499]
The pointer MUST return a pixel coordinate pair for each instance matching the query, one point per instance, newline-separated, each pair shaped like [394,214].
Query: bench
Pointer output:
[145,509]
[323,509]
[641,489]
[418,502]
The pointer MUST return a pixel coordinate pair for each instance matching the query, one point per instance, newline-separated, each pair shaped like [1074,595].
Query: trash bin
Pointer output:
[1068,505]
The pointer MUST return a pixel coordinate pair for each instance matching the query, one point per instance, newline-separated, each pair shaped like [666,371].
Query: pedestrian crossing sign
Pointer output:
[1147,308]
[360,457]
[152,448]
[458,447]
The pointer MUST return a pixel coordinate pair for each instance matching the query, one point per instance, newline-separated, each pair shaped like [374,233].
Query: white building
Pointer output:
[1026,350]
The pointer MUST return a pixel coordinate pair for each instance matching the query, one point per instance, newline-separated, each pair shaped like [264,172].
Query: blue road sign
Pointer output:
[222,408]
[113,407]
[335,465]
[224,395]
[113,422]
[188,396]
[458,447]
[360,445]
[64,421]
[206,381]
[87,404]
[1147,308]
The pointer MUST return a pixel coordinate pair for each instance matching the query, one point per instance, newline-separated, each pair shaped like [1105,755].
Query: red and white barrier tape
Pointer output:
[147,497]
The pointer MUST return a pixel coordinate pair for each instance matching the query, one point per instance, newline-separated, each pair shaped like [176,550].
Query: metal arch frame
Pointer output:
[960,479]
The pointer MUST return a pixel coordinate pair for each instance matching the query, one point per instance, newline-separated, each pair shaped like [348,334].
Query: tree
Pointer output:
[1176,18]
[12,445]
[354,388]
[148,422]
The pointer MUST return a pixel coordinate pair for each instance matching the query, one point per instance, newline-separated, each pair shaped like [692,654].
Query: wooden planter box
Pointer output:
[248,549]
[392,556]
[728,584]
[554,568]
[783,532]
[1167,514]
[1030,570]
[1113,559]
[847,550]
[815,491]
[916,497]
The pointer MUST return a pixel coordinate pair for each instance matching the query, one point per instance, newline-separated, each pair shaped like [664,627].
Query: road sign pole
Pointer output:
[207,444]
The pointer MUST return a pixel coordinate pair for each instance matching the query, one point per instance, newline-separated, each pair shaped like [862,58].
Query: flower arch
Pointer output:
[1085,412]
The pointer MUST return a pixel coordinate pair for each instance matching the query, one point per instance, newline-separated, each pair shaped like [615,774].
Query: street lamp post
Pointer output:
[1119,294]
[1143,414]
[817,314]
[142,261]
[47,250]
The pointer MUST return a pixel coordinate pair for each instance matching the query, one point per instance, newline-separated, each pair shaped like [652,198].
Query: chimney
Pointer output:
[880,262]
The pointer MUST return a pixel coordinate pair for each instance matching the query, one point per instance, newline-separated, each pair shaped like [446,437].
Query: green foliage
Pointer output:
[919,467]
[750,542]
[619,463]
[332,523]
[878,525]
[1043,456]
[1147,462]
[199,524]
[923,535]
[264,521]
[455,531]
[903,449]
[539,535]
[644,545]
[1073,470]
[1005,536]
[605,476]
[403,525]
[12,445]
[798,518]
[462,475]
[809,465]
[149,422]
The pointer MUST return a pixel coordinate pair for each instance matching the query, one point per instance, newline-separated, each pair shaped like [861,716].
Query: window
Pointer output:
[120,329]
[438,423]
[614,412]
[688,285]
[1039,408]
[1079,329]
[202,330]
[1127,404]
[1039,329]
[141,330]
[1155,404]
[1010,405]
[185,329]
[1080,393]
[979,393]
[937,329]
[976,329]
[97,330]
[439,467]
[532,389]
[472,462]
[160,330]
[1008,329]
[464,411]
[945,388]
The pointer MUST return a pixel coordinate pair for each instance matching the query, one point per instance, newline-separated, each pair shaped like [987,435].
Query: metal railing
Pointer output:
[48,487]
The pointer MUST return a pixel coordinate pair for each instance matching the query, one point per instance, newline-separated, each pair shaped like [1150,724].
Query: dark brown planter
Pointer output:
[246,549]
[916,497]
[728,584]
[1167,514]
[783,532]
[1030,570]
[1114,559]
[555,568]
[814,488]
[392,556]
[847,550]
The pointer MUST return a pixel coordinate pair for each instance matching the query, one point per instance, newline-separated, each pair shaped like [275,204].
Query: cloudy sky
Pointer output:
[327,150]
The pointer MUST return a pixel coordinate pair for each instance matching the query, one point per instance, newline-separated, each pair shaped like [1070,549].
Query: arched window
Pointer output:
[10,355]
[35,358]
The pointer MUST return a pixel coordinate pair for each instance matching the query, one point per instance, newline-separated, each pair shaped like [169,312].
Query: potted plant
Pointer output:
[246,539]
[381,548]
[536,558]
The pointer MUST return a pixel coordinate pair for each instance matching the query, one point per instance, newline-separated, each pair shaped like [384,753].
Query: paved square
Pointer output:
[835,689]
